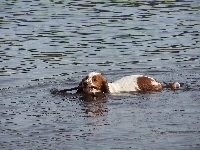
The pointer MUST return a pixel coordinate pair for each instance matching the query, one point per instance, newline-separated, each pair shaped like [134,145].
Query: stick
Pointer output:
[65,90]
[55,91]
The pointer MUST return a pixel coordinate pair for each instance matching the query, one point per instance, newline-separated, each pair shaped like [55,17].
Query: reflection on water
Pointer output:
[94,105]
[53,44]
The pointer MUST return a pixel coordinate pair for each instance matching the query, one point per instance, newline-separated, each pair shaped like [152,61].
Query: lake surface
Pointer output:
[53,44]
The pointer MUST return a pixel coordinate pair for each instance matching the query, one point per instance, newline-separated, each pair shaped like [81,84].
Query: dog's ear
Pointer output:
[80,86]
[105,87]
[79,90]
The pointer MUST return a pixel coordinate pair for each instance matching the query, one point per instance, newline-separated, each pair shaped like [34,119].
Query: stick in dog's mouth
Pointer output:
[55,91]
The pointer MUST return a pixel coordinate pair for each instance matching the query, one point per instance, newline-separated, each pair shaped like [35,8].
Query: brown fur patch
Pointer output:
[148,84]
[80,86]
[100,82]
[173,85]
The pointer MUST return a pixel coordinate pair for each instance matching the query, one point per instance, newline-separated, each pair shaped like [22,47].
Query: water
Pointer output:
[54,44]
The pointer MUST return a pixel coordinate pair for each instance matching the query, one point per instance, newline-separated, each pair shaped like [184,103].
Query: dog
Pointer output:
[95,82]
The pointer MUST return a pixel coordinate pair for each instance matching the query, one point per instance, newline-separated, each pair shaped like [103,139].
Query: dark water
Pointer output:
[53,44]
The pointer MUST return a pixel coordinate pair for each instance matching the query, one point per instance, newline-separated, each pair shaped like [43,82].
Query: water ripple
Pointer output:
[54,44]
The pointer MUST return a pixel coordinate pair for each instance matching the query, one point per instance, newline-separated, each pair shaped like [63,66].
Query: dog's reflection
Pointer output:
[94,104]
[93,97]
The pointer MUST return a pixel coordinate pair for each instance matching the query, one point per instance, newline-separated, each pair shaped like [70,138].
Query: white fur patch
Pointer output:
[90,75]
[125,84]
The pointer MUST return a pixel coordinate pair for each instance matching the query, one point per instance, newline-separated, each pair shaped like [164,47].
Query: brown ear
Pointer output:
[105,87]
[80,86]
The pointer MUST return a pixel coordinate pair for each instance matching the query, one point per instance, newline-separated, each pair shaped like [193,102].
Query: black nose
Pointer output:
[85,83]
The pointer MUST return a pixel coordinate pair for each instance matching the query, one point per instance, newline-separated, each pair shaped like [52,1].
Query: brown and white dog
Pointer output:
[95,82]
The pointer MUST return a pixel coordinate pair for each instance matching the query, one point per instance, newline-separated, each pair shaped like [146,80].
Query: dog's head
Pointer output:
[94,83]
